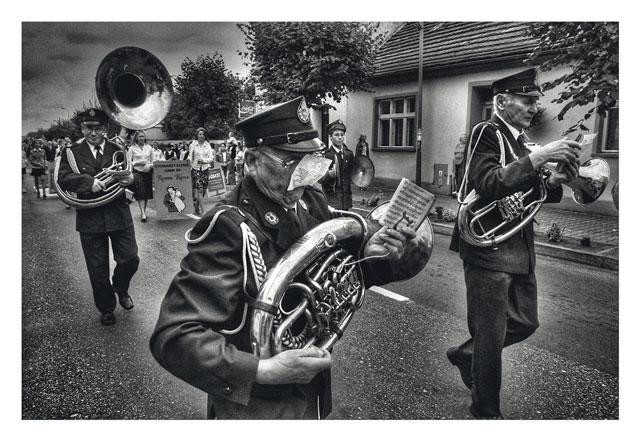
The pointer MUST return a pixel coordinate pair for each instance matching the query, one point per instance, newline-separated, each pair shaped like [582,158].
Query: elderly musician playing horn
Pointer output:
[500,279]
[78,166]
[202,333]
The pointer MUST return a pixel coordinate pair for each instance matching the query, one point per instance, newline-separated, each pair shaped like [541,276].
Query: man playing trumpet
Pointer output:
[501,283]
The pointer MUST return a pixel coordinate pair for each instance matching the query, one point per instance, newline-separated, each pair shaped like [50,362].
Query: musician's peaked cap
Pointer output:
[521,83]
[336,125]
[285,126]
[93,116]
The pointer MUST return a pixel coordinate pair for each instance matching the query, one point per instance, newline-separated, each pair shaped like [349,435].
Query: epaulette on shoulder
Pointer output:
[205,225]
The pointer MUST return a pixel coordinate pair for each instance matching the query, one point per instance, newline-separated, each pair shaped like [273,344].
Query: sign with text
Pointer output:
[172,189]
[217,188]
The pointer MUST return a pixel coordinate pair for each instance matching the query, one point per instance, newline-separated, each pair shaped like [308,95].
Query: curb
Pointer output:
[542,249]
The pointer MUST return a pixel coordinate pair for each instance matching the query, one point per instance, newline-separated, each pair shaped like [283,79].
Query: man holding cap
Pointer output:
[202,334]
[79,164]
[501,283]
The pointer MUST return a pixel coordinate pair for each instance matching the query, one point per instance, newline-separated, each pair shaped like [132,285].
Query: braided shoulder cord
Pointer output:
[72,161]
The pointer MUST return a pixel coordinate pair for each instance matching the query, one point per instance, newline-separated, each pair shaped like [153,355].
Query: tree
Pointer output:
[318,60]
[591,51]
[207,95]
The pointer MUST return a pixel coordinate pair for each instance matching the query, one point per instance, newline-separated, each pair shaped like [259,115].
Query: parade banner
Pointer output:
[217,188]
[172,189]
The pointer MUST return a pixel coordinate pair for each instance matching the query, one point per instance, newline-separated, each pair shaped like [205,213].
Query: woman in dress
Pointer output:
[201,157]
[37,160]
[141,157]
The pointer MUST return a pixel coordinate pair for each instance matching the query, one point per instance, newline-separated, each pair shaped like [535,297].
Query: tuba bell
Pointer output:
[318,284]
[135,90]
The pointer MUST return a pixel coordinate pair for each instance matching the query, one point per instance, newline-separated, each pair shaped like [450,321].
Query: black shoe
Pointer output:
[108,318]
[125,301]
[479,416]
[463,365]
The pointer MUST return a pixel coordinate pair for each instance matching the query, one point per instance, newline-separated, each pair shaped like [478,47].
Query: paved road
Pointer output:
[390,364]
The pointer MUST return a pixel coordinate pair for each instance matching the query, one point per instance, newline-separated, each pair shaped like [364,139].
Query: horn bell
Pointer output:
[134,88]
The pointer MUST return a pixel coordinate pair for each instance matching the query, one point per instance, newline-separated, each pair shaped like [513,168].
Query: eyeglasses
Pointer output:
[94,129]
[291,163]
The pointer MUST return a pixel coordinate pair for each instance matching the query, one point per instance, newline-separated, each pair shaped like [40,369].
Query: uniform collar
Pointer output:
[515,132]
[273,218]
[338,150]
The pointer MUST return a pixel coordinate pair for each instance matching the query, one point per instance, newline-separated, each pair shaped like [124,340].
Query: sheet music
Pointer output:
[409,206]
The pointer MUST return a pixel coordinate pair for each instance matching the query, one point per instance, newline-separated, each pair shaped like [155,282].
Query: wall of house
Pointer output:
[446,115]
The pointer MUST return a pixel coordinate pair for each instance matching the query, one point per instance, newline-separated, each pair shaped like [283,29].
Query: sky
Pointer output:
[60,60]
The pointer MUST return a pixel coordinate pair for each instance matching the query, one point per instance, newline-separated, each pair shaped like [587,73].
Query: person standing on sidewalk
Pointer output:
[78,166]
[501,283]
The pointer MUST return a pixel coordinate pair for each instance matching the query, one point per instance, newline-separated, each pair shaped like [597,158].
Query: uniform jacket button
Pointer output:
[227,390]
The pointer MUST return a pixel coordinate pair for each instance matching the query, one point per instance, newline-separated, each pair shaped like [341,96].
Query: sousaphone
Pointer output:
[135,90]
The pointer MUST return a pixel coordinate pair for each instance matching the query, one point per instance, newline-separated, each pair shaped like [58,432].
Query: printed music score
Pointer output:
[409,206]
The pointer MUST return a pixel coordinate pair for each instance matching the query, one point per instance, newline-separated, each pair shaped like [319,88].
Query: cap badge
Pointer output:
[92,112]
[303,112]
[271,217]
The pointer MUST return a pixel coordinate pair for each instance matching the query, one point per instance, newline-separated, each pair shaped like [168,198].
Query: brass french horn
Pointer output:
[135,90]
[318,284]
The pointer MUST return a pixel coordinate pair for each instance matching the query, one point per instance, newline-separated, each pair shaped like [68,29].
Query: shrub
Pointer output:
[555,233]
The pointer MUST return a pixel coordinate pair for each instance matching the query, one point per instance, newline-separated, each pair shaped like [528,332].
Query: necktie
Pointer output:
[98,157]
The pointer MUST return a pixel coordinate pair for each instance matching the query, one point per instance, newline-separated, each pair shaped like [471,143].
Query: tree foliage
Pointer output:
[318,60]
[206,96]
[590,49]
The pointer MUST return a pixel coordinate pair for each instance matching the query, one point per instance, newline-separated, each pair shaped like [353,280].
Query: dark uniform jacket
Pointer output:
[492,181]
[110,217]
[338,189]
[206,296]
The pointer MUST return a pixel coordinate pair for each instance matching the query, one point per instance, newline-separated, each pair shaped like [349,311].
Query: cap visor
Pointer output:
[531,93]
[311,145]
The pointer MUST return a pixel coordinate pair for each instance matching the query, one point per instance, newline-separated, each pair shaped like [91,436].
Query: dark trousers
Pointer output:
[502,309]
[96,255]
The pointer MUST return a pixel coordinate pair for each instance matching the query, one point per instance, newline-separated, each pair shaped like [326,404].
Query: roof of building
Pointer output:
[452,45]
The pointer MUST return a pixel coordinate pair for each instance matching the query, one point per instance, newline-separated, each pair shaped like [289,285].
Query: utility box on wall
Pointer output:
[441,184]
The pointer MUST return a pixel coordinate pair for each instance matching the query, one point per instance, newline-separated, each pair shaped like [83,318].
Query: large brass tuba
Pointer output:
[135,90]
[318,284]
[588,186]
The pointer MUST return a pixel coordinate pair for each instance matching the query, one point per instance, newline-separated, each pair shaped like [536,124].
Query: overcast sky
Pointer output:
[59,60]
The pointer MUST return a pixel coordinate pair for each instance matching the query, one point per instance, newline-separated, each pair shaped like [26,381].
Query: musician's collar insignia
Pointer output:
[303,112]
[271,217]
[303,204]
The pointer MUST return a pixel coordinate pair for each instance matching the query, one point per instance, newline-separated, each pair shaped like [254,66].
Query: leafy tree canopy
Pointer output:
[318,60]
[591,51]
[206,96]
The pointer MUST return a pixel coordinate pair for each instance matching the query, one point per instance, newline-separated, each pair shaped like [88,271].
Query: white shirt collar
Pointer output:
[338,150]
[93,148]
[515,132]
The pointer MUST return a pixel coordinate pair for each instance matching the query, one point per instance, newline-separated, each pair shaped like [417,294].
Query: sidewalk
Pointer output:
[601,229]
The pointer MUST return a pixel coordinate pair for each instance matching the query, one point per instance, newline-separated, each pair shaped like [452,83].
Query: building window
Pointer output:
[609,132]
[396,122]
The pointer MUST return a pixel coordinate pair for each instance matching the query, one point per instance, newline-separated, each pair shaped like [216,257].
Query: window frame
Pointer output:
[600,149]
[405,116]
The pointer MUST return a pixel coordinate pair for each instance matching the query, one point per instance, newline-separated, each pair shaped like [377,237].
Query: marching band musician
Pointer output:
[337,183]
[501,283]
[202,333]
[78,166]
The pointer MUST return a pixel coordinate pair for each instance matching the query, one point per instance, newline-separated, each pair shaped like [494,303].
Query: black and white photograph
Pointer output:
[287,292]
